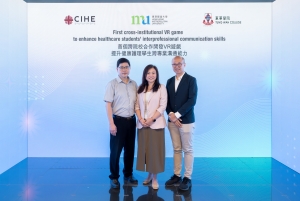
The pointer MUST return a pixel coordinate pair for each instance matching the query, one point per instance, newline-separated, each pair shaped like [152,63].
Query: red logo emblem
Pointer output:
[208,19]
[68,20]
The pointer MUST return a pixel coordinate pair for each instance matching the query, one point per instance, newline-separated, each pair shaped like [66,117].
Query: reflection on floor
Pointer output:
[86,179]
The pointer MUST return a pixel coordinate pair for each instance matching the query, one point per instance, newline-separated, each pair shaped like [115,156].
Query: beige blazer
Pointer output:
[157,102]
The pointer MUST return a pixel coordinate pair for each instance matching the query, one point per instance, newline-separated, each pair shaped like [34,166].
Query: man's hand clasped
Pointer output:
[175,120]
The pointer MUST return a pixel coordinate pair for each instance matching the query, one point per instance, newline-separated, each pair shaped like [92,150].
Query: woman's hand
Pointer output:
[149,121]
[143,122]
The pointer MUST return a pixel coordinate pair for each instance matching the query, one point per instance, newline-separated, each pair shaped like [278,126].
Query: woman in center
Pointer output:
[150,106]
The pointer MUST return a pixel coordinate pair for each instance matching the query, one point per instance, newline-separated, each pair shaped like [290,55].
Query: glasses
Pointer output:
[179,65]
[124,67]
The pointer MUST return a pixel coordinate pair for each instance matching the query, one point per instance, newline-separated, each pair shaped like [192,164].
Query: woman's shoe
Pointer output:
[148,180]
[155,185]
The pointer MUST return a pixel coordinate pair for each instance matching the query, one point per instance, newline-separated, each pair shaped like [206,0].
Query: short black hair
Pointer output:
[122,60]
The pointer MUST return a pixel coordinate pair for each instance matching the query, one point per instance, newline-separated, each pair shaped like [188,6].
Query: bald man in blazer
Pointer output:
[182,95]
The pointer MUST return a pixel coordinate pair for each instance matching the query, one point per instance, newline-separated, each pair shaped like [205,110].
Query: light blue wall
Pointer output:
[285,83]
[13,83]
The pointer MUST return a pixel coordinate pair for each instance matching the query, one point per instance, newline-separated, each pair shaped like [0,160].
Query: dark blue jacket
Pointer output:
[184,99]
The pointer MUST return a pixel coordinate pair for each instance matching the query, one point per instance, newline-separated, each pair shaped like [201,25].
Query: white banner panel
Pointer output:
[73,49]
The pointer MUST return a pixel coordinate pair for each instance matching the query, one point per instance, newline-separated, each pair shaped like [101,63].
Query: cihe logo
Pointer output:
[80,20]
[68,20]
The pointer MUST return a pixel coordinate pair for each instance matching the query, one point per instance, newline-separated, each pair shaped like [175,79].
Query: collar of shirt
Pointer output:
[178,79]
[119,79]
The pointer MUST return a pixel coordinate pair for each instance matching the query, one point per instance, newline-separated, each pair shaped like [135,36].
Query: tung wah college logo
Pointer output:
[79,20]
[220,20]
[208,19]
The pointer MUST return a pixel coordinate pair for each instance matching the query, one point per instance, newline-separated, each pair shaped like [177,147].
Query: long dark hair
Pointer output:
[144,86]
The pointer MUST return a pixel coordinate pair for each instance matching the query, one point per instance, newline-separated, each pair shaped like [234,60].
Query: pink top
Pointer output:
[157,102]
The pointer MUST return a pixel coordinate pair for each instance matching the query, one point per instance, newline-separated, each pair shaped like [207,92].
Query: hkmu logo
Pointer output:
[137,19]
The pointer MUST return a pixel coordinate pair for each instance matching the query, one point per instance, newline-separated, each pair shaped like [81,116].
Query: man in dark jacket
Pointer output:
[182,95]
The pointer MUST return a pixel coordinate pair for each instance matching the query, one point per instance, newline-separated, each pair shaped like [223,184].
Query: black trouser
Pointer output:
[125,138]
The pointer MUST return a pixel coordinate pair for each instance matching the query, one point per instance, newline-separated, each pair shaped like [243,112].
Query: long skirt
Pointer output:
[151,150]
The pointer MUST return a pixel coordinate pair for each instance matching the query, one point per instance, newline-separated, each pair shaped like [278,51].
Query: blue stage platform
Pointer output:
[215,179]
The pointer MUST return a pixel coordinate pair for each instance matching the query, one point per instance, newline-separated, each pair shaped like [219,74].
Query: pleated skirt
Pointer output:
[151,150]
